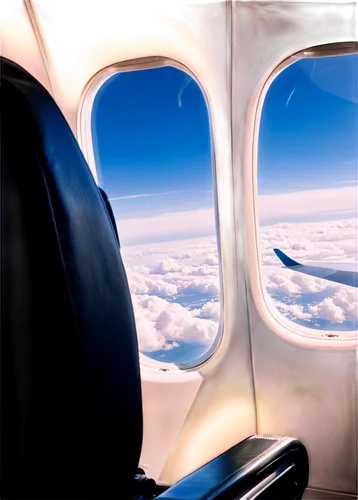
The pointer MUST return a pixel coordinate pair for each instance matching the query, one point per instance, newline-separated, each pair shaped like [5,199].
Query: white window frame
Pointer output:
[275,320]
[84,123]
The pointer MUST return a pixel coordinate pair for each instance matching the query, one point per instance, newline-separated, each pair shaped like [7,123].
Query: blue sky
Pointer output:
[152,137]
[308,132]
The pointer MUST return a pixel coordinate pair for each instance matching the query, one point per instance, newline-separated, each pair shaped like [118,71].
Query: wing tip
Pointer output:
[285,259]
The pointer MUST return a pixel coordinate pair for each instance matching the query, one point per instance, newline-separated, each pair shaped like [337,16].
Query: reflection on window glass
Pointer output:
[152,147]
[307,186]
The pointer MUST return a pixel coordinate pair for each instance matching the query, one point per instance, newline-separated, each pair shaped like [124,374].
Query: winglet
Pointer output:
[285,259]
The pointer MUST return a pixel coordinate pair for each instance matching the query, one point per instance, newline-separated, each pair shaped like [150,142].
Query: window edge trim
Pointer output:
[274,320]
[86,142]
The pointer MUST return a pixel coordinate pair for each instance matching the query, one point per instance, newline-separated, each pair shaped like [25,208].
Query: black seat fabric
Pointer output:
[110,211]
[71,396]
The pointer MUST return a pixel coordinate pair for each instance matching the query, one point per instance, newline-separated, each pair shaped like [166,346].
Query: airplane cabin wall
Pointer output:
[304,387]
[18,41]
[223,412]
[261,378]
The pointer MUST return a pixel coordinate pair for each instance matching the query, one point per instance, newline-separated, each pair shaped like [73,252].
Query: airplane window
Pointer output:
[151,139]
[307,192]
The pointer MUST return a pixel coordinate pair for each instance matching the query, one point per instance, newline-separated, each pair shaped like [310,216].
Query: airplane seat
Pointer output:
[68,333]
[110,211]
[71,393]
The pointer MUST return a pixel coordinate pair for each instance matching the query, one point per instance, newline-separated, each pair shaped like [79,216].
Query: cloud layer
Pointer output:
[175,285]
[175,292]
[335,202]
[307,300]
[316,202]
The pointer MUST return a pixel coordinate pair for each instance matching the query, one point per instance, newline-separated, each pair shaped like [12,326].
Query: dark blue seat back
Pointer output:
[71,396]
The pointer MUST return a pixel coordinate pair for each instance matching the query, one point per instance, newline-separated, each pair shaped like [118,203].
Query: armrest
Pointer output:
[260,467]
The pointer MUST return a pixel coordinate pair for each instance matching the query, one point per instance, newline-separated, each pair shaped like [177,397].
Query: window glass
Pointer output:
[152,147]
[307,191]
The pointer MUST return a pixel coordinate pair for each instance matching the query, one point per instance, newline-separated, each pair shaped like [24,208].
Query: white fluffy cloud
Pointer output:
[159,321]
[162,277]
[175,285]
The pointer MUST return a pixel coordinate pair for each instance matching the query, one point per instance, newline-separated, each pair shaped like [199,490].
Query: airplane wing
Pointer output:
[349,278]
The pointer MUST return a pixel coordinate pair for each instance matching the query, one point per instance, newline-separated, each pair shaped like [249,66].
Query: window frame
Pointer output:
[84,130]
[276,321]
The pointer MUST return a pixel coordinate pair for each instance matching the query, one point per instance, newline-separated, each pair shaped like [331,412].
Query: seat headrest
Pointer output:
[71,396]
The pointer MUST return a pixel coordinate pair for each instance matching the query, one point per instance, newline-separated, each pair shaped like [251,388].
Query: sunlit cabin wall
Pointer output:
[305,387]
[18,40]
[223,412]
[69,81]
